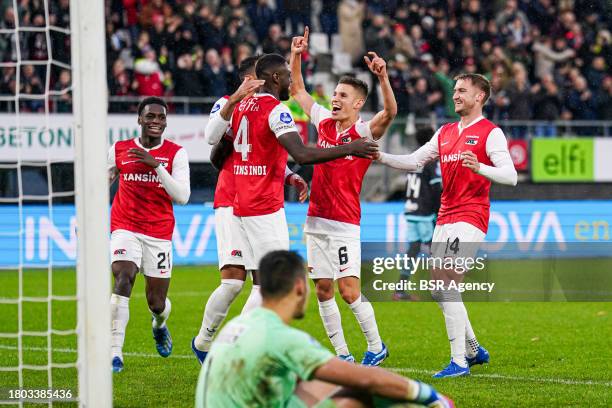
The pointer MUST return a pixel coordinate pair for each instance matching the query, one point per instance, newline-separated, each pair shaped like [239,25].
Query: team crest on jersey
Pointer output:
[216,108]
[472,140]
[119,252]
[346,139]
[237,253]
[285,117]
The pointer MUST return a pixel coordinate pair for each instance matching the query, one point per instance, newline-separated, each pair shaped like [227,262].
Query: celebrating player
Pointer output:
[423,189]
[473,152]
[258,359]
[153,172]
[264,131]
[332,226]
[229,249]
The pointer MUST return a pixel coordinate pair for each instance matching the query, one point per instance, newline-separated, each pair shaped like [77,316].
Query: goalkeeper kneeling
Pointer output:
[258,360]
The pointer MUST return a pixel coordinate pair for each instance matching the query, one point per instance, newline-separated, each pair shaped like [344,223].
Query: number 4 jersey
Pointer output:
[259,158]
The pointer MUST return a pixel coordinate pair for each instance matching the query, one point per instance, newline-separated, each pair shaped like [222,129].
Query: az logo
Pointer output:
[237,253]
[119,252]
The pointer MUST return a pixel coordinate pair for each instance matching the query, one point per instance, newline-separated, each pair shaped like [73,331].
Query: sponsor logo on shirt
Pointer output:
[142,177]
[446,158]
[237,253]
[471,140]
[216,108]
[285,117]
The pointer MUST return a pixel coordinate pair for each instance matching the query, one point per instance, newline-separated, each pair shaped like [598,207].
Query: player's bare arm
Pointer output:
[249,86]
[220,152]
[298,89]
[292,142]
[218,123]
[383,119]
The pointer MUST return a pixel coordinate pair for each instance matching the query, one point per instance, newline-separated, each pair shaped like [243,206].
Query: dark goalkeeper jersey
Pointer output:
[423,191]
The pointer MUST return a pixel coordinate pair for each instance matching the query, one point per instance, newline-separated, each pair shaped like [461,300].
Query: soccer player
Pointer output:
[229,248]
[473,153]
[258,360]
[264,132]
[332,226]
[423,189]
[153,172]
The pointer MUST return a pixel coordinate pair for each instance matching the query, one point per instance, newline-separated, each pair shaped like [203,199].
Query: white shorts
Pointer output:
[459,239]
[230,247]
[262,234]
[152,256]
[332,257]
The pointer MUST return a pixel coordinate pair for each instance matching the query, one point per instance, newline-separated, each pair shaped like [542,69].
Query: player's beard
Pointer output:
[284,94]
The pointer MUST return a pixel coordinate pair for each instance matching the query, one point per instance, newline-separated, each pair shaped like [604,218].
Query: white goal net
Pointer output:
[54,266]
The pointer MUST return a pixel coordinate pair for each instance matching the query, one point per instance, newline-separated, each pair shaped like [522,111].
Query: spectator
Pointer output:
[8,87]
[350,18]
[582,105]
[547,105]
[329,17]
[518,93]
[299,14]
[270,44]
[422,99]
[596,73]
[64,102]
[152,9]
[508,15]
[320,96]
[214,75]
[148,75]
[546,56]
[402,43]
[31,84]
[262,17]
[378,37]
[188,81]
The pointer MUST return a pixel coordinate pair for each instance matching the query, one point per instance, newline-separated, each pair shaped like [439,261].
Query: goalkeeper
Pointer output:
[258,360]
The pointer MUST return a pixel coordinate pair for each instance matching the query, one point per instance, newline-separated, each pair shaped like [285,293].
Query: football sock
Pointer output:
[215,311]
[159,320]
[364,312]
[120,315]
[253,301]
[330,315]
[471,344]
[454,319]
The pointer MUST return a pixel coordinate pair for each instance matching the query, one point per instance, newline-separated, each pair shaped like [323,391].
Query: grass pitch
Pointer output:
[542,354]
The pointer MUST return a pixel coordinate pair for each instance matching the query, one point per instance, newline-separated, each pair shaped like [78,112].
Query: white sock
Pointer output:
[215,311]
[364,312]
[253,301]
[454,318]
[120,315]
[159,320]
[471,344]
[330,315]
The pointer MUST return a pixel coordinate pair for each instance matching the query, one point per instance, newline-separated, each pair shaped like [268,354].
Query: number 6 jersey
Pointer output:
[259,158]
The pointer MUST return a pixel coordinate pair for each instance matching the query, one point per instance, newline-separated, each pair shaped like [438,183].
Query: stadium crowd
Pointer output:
[546,59]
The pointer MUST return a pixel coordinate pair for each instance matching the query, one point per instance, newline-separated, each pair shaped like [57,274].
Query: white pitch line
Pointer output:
[514,378]
[398,369]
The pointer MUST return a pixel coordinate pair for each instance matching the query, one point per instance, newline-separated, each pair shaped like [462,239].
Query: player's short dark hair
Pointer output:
[358,84]
[267,63]
[151,100]
[479,81]
[423,135]
[247,65]
[278,271]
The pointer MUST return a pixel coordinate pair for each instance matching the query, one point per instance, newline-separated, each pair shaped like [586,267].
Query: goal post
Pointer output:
[91,200]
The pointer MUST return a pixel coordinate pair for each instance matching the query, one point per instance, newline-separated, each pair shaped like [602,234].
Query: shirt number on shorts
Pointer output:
[453,246]
[241,141]
[163,258]
[343,255]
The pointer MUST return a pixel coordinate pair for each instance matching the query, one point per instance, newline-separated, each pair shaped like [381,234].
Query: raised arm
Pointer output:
[298,89]
[502,171]
[382,120]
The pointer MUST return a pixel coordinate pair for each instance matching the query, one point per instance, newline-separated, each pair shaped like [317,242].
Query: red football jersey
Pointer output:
[336,185]
[465,197]
[141,204]
[259,159]
[225,191]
